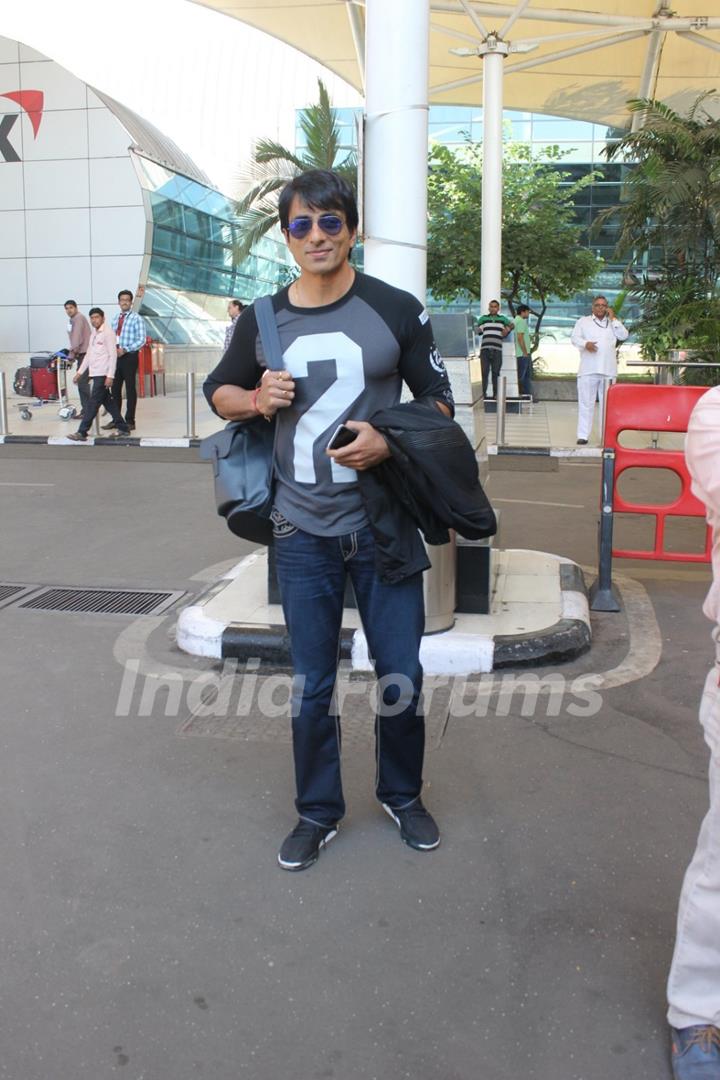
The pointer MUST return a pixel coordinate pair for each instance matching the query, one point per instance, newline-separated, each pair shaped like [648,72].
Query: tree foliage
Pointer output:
[274,165]
[542,253]
[669,217]
[671,195]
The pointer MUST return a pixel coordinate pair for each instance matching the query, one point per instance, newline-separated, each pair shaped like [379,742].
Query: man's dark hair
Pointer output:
[320,189]
[493,302]
[96,311]
[238,304]
[125,292]
[521,308]
[73,302]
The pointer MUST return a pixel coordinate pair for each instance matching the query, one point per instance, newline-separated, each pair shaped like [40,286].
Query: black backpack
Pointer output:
[22,383]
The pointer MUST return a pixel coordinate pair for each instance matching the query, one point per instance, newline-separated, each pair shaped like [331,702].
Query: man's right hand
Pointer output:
[591,346]
[277,391]
[76,379]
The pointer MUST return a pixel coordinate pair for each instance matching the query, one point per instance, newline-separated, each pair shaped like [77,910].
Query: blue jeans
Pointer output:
[524,370]
[311,574]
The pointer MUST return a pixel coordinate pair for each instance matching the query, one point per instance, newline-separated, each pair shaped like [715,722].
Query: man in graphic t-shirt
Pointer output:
[349,342]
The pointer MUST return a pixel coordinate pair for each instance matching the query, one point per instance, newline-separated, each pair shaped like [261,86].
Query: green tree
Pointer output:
[669,218]
[670,203]
[256,212]
[542,253]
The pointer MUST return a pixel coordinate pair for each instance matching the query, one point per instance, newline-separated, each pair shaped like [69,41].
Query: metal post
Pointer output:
[4,429]
[603,596]
[395,214]
[190,405]
[396,140]
[493,52]
[500,410]
[603,408]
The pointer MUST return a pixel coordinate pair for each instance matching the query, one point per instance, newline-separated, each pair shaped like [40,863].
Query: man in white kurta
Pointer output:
[694,983]
[596,336]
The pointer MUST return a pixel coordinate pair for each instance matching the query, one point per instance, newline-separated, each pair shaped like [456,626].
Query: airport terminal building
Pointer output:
[94,199]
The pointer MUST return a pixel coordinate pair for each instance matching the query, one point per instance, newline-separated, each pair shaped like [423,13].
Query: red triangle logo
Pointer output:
[32,101]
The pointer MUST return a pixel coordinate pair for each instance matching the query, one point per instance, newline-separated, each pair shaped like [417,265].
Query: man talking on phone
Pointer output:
[349,342]
[596,336]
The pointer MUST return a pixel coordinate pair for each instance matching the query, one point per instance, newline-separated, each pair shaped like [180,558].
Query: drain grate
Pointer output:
[8,593]
[103,601]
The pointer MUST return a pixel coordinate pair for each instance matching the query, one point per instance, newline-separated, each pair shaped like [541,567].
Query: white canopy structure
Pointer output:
[567,60]
[576,59]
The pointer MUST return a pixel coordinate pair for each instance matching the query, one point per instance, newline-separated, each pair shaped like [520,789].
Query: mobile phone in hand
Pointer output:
[342,436]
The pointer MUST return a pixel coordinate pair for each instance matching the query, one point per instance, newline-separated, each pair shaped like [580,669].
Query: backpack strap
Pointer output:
[269,336]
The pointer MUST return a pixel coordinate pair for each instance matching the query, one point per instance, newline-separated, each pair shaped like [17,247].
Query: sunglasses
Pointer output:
[330,224]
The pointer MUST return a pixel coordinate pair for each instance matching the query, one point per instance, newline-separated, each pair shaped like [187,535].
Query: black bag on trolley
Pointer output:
[22,382]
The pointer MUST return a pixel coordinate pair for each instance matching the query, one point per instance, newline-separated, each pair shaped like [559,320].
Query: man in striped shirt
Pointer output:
[235,309]
[493,327]
[130,332]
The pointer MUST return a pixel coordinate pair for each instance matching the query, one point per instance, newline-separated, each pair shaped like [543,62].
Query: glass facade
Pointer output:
[583,144]
[192,270]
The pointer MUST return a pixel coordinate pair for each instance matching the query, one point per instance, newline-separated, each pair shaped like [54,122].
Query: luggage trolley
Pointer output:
[46,381]
[63,363]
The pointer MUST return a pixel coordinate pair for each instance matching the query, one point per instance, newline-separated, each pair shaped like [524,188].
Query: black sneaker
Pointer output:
[110,426]
[302,847]
[582,442]
[417,826]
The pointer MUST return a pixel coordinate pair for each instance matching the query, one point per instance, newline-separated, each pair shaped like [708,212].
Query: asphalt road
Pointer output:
[146,931]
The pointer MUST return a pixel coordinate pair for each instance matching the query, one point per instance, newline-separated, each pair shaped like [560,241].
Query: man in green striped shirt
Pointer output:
[493,327]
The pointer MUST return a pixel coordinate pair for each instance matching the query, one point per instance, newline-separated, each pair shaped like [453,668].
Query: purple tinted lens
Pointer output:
[329,223]
[300,227]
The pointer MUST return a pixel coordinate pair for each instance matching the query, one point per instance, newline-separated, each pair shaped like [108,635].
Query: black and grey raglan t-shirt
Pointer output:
[348,360]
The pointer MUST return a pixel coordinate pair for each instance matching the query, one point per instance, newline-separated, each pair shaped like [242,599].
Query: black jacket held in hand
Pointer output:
[430,483]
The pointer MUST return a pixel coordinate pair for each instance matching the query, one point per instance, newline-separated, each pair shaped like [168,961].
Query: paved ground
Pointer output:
[147,932]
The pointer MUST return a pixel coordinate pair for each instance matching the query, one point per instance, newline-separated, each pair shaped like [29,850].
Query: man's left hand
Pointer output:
[121,351]
[367,450]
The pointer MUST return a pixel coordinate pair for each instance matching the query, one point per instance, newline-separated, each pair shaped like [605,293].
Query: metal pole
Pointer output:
[493,53]
[396,140]
[603,408]
[397,41]
[190,405]
[500,410]
[4,429]
[603,596]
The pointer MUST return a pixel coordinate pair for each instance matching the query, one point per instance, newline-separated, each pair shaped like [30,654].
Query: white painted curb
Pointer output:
[197,634]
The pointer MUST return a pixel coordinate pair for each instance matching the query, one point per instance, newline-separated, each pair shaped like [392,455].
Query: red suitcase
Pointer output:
[44,384]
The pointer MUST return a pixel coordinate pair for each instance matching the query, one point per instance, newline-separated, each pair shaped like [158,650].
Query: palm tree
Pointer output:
[256,211]
[671,196]
[670,211]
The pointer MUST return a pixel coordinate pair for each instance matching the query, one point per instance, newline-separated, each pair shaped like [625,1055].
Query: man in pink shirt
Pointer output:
[694,982]
[79,331]
[100,360]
